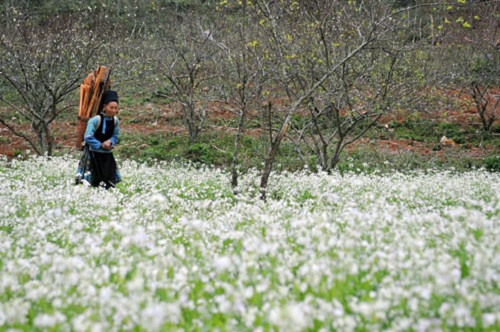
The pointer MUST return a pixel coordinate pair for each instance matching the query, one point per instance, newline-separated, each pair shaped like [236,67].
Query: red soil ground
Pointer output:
[154,119]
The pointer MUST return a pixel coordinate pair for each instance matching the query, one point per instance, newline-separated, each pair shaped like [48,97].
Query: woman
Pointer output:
[101,136]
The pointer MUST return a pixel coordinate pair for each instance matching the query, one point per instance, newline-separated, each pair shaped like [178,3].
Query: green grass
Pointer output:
[217,149]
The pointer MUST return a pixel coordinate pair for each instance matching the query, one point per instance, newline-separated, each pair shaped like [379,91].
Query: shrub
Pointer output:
[201,152]
[492,163]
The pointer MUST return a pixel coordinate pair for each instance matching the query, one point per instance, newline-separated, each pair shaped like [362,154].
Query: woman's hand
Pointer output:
[107,145]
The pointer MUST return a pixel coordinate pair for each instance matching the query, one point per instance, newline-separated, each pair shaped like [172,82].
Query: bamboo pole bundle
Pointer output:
[91,92]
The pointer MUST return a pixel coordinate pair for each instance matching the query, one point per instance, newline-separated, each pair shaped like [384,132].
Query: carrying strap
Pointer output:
[99,120]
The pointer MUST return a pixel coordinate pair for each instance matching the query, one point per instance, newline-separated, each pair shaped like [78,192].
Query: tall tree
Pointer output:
[43,59]
[474,66]
[187,63]
[244,74]
[325,51]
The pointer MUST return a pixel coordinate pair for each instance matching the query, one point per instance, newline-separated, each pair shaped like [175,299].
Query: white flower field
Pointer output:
[174,249]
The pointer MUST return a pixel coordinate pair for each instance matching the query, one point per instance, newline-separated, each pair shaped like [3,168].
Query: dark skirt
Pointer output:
[99,169]
[103,169]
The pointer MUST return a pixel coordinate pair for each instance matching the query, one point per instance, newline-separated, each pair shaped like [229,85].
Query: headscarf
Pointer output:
[109,96]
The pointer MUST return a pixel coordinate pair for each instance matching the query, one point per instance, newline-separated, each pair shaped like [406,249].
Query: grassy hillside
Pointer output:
[419,75]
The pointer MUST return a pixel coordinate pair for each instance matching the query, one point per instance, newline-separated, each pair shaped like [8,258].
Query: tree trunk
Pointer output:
[271,156]
[45,139]
[234,171]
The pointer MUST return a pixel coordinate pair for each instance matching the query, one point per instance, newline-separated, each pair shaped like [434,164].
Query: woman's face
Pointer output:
[110,109]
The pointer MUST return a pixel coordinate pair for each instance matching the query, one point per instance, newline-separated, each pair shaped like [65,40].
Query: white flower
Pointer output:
[291,317]
[222,264]
[489,319]
[48,321]
[154,315]
[157,198]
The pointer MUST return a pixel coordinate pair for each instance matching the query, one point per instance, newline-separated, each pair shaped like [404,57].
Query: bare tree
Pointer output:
[339,114]
[475,71]
[473,67]
[42,61]
[244,75]
[187,63]
[328,46]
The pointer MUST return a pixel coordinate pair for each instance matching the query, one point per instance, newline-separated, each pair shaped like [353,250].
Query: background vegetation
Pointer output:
[266,84]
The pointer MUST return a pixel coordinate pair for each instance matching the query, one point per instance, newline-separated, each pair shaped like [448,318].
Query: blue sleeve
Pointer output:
[116,133]
[89,133]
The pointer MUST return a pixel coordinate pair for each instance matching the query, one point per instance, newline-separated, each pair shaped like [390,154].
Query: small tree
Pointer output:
[42,61]
[243,74]
[187,65]
[473,67]
[476,72]
[329,47]
[345,108]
